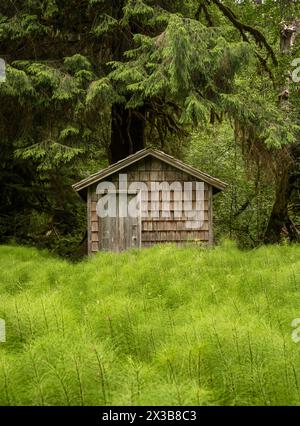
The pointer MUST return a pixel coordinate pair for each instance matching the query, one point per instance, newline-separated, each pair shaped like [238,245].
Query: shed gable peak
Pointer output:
[141,155]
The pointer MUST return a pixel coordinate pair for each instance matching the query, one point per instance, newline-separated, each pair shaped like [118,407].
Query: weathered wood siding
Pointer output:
[158,229]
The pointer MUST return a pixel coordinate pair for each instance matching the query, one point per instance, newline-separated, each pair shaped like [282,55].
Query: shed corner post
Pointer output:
[89,221]
[210,217]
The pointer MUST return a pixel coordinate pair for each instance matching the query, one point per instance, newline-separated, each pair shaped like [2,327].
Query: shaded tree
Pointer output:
[93,79]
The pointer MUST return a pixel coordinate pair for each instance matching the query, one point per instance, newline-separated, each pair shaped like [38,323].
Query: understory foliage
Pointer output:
[242,211]
[136,328]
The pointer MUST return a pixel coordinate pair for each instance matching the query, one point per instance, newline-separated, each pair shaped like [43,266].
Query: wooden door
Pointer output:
[123,231]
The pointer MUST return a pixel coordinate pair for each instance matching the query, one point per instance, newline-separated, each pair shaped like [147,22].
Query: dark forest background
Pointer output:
[89,82]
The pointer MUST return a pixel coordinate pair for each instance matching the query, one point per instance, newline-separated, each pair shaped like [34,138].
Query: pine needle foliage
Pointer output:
[91,82]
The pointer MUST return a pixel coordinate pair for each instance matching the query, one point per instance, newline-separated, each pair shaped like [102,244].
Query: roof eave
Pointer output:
[128,161]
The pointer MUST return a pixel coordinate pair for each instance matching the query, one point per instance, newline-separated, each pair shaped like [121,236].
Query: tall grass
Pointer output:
[160,326]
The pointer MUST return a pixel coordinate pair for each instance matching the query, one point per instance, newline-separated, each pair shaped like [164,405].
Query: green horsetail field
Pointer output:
[160,326]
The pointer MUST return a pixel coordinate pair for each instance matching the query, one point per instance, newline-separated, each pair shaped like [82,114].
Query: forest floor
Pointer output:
[160,326]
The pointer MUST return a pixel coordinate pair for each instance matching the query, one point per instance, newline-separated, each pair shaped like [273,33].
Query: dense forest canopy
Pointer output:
[90,81]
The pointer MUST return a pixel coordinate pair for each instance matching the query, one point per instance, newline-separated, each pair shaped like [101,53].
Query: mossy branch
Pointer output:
[259,38]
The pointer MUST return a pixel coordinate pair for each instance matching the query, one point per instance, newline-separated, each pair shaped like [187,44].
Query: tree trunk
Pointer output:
[127,132]
[288,33]
[279,219]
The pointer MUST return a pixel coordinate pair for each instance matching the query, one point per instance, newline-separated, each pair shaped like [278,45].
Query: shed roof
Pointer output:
[140,155]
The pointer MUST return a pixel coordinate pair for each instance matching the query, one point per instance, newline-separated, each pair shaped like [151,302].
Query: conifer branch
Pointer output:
[259,38]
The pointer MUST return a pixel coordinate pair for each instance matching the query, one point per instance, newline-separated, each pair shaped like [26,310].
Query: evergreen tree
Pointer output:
[92,80]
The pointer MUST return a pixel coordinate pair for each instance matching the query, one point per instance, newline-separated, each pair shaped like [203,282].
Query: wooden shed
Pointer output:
[171,201]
